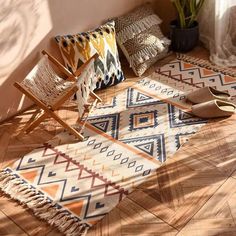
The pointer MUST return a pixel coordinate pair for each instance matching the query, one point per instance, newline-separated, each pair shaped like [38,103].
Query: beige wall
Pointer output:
[166,12]
[29,26]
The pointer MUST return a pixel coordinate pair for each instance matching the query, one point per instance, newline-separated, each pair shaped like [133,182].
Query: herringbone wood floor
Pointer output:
[193,193]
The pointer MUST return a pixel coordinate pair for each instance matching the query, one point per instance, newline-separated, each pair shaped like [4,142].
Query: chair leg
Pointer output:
[95,96]
[66,126]
[36,122]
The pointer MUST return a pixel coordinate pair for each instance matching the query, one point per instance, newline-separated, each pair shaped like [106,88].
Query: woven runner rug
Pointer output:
[72,185]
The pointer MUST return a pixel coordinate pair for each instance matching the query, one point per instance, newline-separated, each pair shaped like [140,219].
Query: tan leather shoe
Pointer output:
[214,109]
[206,94]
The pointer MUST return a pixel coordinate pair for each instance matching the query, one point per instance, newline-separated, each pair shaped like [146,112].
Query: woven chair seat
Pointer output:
[45,84]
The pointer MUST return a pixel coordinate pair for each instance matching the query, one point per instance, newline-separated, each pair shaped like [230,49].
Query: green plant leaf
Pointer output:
[187,11]
[181,13]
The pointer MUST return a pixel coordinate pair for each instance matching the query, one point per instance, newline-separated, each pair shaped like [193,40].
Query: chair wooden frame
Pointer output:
[49,111]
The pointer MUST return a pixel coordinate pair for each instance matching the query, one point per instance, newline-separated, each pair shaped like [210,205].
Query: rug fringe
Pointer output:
[206,64]
[18,190]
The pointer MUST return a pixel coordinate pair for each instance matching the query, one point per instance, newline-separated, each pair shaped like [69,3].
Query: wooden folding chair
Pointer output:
[49,91]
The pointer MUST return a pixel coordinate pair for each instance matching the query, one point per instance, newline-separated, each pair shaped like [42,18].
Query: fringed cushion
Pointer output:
[77,49]
[140,38]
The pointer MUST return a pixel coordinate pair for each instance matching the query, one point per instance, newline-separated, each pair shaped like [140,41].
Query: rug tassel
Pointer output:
[73,229]
[17,189]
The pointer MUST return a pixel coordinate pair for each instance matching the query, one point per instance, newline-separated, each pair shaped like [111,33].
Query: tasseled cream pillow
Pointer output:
[140,38]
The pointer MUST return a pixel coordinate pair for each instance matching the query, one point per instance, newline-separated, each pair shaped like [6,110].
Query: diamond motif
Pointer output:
[91,142]
[98,145]
[124,160]
[131,164]
[146,172]
[110,153]
[163,90]
[176,95]
[116,157]
[104,149]
[138,168]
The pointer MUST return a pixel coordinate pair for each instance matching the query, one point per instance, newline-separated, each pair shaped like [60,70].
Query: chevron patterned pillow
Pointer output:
[78,48]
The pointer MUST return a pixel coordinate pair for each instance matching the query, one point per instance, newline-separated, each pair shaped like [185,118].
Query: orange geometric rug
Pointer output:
[72,184]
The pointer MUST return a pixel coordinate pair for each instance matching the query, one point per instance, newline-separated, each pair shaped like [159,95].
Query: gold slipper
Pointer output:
[206,94]
[214,109]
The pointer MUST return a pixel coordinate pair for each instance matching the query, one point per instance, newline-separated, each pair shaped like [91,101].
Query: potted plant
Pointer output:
[184,30]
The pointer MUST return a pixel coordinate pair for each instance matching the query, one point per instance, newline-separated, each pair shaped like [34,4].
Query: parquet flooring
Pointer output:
[193,193]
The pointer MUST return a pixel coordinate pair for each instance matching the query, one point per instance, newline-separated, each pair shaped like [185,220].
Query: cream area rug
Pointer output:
[72,185]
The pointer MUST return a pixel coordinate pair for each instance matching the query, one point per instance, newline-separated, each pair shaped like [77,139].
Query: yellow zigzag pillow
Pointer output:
[78,48]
